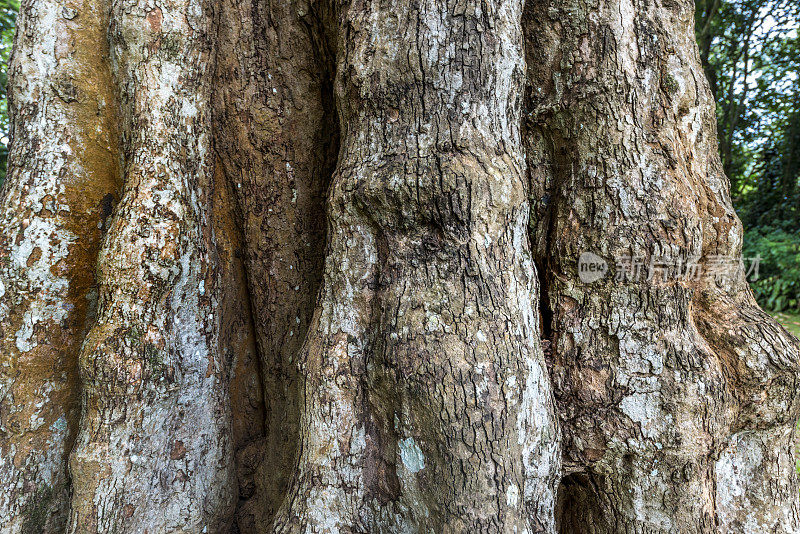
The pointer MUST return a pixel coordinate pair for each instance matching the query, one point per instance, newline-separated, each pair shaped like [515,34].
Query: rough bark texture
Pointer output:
[427,405]
[277,138]
[61,185]
[316,307]
[677,397]
[154,451]
[238,345]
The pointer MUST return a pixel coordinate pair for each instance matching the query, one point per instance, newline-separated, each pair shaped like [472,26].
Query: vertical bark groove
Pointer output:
[277,136]
[238,345]
[429,361]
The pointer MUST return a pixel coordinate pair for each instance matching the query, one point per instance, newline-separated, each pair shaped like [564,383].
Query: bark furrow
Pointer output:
[316,306]
[276,134]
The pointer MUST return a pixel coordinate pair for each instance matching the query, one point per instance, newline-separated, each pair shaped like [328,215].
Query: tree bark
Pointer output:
[427,405]
[677,395]
[156,425]
[62,182]
[316,305]
[276,135]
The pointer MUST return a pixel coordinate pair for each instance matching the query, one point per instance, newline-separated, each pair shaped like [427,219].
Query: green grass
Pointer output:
[790,321]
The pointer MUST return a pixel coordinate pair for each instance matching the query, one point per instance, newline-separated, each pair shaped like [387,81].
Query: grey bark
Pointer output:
[427,404]
[154,450]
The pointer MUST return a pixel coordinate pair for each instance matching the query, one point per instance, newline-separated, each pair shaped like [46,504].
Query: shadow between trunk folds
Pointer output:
[277,137]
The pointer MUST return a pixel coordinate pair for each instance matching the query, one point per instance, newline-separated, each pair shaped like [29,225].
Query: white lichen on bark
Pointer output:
[154,449]
[60,176]
[414,396]
[659,379]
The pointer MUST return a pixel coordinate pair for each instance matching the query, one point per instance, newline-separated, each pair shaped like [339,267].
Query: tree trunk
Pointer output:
[63,180]
[319,231]
[427,404]
[156,423]
[676,394]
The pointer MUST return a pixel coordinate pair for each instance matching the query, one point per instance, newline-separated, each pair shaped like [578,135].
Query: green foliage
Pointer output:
[750,50]
[8,20]
[778,284]
[790,322]
[750,53]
